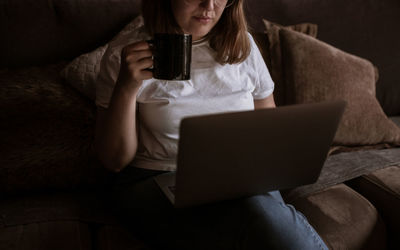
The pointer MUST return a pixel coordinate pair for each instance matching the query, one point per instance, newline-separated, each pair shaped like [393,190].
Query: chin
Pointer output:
[200,34]
[199,30]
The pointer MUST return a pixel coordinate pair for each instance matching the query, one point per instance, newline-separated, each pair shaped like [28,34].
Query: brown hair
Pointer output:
[228,38]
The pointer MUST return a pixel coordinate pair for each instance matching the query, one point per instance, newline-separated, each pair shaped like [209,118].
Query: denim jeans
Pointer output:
[256,222]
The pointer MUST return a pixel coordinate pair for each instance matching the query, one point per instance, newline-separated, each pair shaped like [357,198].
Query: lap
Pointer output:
[233,224]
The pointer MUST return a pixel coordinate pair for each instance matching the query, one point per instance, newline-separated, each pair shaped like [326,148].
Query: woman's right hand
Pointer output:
[136,59]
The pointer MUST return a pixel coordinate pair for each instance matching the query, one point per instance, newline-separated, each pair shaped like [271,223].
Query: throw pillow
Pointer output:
[82,72]
[315,71]
[273,57]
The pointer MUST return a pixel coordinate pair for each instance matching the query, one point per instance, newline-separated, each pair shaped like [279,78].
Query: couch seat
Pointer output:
[382,188]
[343,218]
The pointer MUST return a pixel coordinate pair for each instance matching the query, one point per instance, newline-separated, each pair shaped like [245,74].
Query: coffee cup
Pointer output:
[172,54]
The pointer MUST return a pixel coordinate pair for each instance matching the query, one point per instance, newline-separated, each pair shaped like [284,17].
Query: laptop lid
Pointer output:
[237,154]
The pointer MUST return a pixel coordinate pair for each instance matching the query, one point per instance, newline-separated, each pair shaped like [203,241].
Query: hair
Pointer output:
[228,37]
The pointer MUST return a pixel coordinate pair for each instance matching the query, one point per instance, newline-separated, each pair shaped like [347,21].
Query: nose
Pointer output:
[208,4]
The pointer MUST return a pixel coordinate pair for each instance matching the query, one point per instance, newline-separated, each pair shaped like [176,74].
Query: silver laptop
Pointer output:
[231,155]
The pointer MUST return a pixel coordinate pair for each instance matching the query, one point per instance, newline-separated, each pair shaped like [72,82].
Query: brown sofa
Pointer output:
[51,185]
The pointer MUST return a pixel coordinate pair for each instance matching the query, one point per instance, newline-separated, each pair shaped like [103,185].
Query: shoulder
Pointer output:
[253,45]
[251,38]
[254,55]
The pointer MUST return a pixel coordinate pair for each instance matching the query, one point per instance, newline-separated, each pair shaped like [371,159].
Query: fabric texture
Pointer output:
[40,32]
[47,235]
[388,179]
[344,218]
[47,130]
[273,56]
[368,29]
[345,166]
[82,72]
[71,205]
[162,104]
[110,237]
[382,188]
[315,71]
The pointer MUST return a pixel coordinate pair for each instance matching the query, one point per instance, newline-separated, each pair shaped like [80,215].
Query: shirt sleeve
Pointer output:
[264,85]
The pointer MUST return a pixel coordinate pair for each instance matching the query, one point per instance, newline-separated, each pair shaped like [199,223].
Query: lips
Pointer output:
[203,19]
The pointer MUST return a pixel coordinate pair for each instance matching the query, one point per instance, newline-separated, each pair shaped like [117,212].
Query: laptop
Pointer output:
[237,154]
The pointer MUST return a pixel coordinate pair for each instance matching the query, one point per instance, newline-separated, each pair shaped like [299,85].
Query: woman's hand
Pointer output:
[136,59]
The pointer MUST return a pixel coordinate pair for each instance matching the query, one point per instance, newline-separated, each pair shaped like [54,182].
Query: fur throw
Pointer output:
[47,130]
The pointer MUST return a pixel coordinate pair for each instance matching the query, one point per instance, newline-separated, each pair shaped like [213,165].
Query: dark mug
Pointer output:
[172,56]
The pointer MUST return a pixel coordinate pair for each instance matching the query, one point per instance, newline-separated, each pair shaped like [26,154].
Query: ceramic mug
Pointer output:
[172,55]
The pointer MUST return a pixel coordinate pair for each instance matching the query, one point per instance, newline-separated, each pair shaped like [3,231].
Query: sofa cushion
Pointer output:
[270,48]
[48,130]
[315,71]
[110,237]
[79,205]
[81,73]
[343,218]
[382,188]
[63,220]
[47,236]
[368,29]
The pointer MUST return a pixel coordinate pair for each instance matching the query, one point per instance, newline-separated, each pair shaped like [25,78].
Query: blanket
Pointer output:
[346,166]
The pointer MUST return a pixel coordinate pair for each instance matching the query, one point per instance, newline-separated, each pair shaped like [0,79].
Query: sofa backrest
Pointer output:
[44,31]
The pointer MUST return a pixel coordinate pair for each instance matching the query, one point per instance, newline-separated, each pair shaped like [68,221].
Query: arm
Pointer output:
[267,102]
[116,134]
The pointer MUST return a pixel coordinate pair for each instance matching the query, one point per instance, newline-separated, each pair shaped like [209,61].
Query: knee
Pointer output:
[278,225]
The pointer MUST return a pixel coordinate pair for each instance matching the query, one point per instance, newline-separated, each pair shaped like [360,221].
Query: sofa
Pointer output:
[52,187]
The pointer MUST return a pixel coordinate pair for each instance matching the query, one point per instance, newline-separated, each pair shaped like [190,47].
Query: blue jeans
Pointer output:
[257,222]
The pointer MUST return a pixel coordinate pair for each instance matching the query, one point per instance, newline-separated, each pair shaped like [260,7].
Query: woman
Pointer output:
[138,123]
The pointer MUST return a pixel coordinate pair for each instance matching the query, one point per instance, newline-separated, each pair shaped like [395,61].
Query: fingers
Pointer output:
[139,55]
[136,58]
[136,51]
[145,63]
[142,45]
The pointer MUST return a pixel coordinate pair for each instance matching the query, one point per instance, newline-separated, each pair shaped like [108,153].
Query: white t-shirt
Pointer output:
[213,88]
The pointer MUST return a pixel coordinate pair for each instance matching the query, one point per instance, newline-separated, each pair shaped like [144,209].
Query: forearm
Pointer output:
[116,134]
[267,102]
[117,141]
